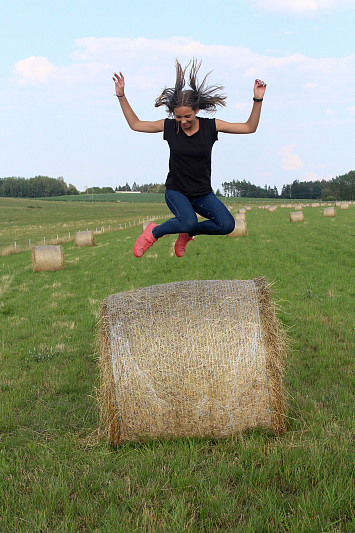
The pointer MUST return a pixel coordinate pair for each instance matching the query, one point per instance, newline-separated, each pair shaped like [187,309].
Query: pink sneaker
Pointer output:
[181,243]
[145,241]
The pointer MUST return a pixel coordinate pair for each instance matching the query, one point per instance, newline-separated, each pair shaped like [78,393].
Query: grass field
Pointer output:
[28,222]
[58,476]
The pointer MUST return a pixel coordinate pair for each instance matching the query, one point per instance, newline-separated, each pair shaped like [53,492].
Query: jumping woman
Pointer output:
[190,139]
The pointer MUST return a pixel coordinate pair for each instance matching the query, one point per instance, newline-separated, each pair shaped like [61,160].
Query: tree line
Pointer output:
[37,187]
[339,188]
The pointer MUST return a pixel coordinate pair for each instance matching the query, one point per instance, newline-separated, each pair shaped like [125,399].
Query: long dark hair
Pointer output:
[199,96]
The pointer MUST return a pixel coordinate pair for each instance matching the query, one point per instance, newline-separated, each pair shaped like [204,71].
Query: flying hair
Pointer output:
[198,96]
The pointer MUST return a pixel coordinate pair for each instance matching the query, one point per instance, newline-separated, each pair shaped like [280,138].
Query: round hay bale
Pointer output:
[240,229]
[47,257]
[329,212]
[296,216]
[315,204]
[248,208]
[84,238]
[272,209]
[220,375]
[298,207]
[242,210]
[344,205]
[145,224]
[240,216]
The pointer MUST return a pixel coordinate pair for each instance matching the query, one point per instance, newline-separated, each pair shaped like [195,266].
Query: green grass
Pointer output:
[56,476]
[24,220]
[110,197]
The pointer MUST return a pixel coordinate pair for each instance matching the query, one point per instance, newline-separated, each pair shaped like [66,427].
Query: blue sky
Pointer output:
[58,116]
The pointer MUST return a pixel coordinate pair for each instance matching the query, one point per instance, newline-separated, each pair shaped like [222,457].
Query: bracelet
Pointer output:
[257,99]
[118,96]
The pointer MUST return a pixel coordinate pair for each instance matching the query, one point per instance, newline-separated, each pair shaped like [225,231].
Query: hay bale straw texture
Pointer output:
[272,209]
[296,216]
[47,257]
[344,205]
[84,238]
[191,358]
[240,216]
[329,212]
[240,229]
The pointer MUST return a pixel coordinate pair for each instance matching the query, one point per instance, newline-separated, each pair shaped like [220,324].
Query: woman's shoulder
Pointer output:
[208,121]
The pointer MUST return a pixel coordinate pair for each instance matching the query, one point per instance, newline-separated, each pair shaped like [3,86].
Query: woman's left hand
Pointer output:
[259,89]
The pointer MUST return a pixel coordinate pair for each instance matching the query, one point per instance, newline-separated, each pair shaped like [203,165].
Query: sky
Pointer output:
[59,116]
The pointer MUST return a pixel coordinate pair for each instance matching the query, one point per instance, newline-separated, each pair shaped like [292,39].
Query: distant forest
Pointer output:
[339,188]
[37,187]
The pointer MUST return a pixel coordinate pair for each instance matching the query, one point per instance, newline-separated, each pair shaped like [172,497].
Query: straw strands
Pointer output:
[84,238]
[296,216]
[240,216]
[329,212]
[212,367]
[47,257]
[240,229]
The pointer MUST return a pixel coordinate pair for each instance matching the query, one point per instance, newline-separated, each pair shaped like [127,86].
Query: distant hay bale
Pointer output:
[47,257]
[240,229]
[272,208]
[344,205]
[241,210]
[240,216]
[220,375]
[248,208]
[337,204]
[329,212]
[289,206]
[145,224]
[298,207]
[296,216]
[315,204]
[84,238]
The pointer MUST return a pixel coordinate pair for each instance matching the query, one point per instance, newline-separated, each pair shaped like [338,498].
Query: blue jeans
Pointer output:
[220,221]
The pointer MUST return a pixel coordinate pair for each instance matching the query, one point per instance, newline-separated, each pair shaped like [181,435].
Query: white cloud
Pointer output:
[352,110]
[301,7]
[289,160]
[310,85]
[311,176]
[33,70]
[148,66]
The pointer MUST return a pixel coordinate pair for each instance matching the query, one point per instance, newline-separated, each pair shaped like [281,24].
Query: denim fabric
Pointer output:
[220,221]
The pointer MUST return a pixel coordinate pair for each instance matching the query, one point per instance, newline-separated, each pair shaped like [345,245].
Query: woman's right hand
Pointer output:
[119,83]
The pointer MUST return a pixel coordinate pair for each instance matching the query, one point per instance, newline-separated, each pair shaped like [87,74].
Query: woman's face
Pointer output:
[186,117]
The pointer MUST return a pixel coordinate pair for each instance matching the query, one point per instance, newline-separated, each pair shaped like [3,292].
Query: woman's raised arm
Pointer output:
[133,121]
[251,124]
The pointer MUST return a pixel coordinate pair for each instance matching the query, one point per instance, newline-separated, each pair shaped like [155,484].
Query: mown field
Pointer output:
[57,475]
[29,222]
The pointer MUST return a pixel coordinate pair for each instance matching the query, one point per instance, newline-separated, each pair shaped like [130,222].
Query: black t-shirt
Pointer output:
[190,157]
